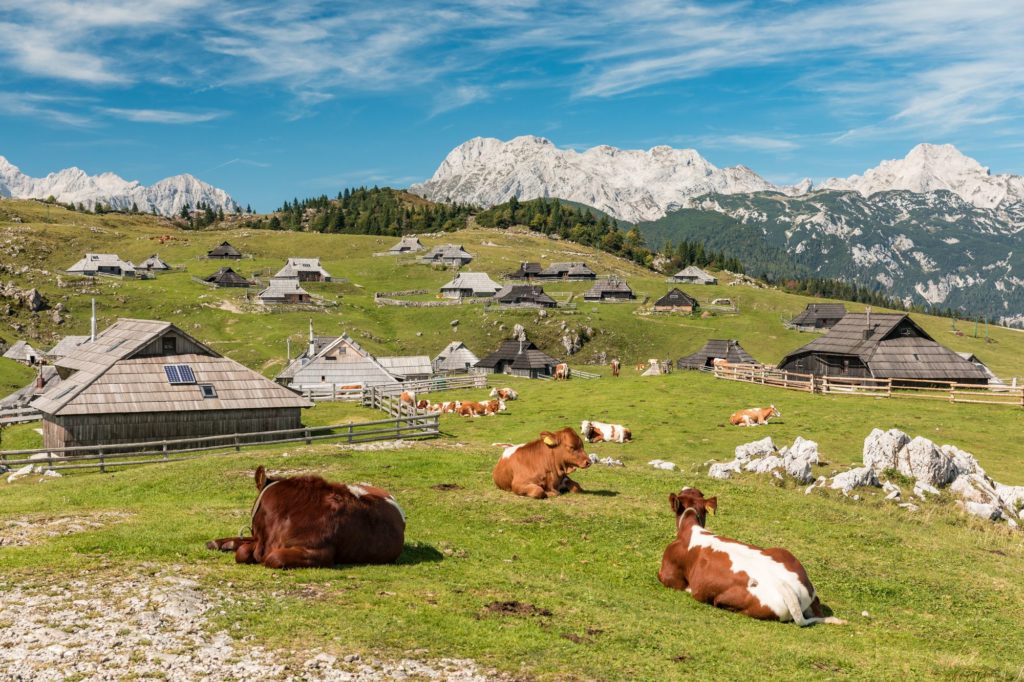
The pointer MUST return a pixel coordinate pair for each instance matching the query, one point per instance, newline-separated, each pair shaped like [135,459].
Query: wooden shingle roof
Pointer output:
[727,349]
[605,287]
[480,283]
[227,277]
[224,250]
[455,357]
[524,356]
[678,298]
[819,311]
[513,294]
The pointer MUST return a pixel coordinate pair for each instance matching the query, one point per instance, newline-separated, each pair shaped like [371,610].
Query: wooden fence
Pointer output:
[417,425]
[19,415]
[946,391]
[332,392]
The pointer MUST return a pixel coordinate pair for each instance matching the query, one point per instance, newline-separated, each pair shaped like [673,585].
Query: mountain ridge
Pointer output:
[73,185]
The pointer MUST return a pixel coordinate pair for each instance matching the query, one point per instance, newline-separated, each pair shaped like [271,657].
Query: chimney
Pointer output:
[92,324]
[868,331]
[40,382]
[288,344]
[312,340]
[520,345]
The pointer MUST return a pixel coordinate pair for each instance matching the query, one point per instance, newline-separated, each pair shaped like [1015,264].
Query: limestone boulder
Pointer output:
[854,478]
[758,448]
[764,465]
[922,461]
[882,448]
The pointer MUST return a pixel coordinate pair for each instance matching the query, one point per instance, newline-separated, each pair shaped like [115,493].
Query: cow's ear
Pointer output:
[550,439]
[673,502]
[261,477]
[712,504]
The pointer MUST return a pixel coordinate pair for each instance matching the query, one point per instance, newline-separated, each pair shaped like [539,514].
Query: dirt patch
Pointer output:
[447,487]
[586,638]
[681,658]
[534,519]
[516,608]
[28,530]
[156,626]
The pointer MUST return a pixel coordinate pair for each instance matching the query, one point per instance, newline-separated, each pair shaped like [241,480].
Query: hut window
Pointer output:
[179,374]
[169,345]
[208,390]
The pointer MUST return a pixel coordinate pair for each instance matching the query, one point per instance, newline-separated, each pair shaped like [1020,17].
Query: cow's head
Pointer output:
[567,447]
[692,500]
[775,411]
[494,392]
[586,429]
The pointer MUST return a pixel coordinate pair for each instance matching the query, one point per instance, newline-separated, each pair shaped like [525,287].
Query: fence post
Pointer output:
[308,440]
[238,444]
[103,468]
[888,388]
[952,392]
[350,433]
[163,447]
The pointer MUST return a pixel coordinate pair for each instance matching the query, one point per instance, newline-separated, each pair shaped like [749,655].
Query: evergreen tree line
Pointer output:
[857,293]
[380,211]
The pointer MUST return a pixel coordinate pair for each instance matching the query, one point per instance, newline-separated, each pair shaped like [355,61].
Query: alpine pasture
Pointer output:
[931,594]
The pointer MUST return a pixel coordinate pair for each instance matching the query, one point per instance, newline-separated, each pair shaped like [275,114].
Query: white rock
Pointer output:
[921,488]
[989,512]
[923,462]
[882,447]
[854,478]
[909,506]
[764,465]
[723,470]
[892,490]
[51,473]
[799,458]
[819,482]
[974,488]
[19,473]
[1011,495]
[661,464]
[963,462]
[757,448]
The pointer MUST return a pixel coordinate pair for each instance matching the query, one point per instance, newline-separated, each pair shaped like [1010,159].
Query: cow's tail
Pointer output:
[792,600]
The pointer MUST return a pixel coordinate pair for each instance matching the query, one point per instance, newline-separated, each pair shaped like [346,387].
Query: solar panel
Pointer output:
[179,374]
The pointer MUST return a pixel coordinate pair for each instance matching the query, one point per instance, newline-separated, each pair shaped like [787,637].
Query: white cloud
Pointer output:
[761,143]
[458,97]
[44,107]
[161,115]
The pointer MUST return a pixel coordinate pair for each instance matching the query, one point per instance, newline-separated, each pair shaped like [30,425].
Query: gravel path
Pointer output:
[156,627]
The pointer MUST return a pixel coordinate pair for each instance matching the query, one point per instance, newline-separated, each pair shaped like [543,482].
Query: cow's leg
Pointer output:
[738,598]
[529,490]
[246,553]
[568,485]
[670,575]
[299,557]
[227,544]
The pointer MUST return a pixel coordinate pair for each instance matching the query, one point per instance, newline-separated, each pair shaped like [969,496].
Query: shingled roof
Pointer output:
[407,245]
[613,288]
[523,355]
[295,266]
[226,277]
[892,346]
[815,313]
[727,349]
[224,250]
[525,295]
[456,357]
[154,262]
[477,283]
[113,375]
[568,270]
[676,298]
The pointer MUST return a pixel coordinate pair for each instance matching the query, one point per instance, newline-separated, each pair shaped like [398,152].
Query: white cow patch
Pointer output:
[511,450]
[357,490]
[393,502]
[769,579]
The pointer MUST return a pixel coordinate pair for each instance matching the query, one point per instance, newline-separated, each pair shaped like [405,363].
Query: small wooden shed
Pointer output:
[455,358]
[691,274]
[284,291]
[818,316]
[524,296]
[227,277]
[676,301]
[729,350]
[612,290]
[224,251]
[518,358]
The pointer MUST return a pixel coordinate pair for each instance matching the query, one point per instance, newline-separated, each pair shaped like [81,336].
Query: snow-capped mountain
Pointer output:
[932,167]
[630,184]
[73,185]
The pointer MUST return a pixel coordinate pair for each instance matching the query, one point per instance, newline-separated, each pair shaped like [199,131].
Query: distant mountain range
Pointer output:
[73,185]
[935,227]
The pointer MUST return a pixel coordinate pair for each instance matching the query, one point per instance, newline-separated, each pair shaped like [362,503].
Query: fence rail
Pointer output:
[418,425]
[332,392]
[19,415]
[915,389]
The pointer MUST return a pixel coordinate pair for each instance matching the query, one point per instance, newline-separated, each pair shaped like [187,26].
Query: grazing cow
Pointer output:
[755,416]
[615,367]
[641,366]
[306,521]
[562,371]
[596,432]
[768,584]
[422,404]
[541,468]
[408,397]
[719,363]
[504,393]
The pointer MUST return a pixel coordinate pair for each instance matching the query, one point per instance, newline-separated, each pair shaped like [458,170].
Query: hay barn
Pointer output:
[526,271]
[518,358]
[524,296]
[303,270]
[284,291]
[224,251]
[144,380]
[407,367]
[729,350]
[153,264]
[818,316]
[881,346]
[676,301]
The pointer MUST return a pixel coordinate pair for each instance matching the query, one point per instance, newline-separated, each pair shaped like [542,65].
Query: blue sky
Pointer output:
[275,100]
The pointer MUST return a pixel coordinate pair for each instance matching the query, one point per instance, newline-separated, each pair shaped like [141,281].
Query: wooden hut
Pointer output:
[526,271]
[24,353]
[109,264]
[224,251]
[729,350]
[818,316]
[46,380]
[455,358]
[407,367]
[226,277]
[153,264]
[336,361]
[676,301]
[66,346]
[612,290]
[524,296]
[406,245]
[691,274]
[449,255]
[470,285]
[567,271]
[284,291]
[518,358]
[303,270]
[882,346]
[146,380]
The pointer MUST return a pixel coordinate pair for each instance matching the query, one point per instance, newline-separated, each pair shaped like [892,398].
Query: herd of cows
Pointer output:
[306,521]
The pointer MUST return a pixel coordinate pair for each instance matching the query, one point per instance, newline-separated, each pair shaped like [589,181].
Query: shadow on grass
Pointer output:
[419,553]
[599,493]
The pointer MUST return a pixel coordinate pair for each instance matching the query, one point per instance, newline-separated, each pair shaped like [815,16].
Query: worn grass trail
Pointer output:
[943,592]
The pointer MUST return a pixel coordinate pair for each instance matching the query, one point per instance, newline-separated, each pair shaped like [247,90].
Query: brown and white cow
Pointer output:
[755,416]
[768,584]
[541,467]
[597,432]
[719,363]
[422,404]
[408,398]
[562,371]
[305,521]
[449,406]
[616,367]
[504,393]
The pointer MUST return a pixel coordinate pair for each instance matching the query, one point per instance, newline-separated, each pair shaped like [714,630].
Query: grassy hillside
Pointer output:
[50,239]
[590,560]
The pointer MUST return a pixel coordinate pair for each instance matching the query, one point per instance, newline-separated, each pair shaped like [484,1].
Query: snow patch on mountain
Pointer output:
[629,184]
[73,185]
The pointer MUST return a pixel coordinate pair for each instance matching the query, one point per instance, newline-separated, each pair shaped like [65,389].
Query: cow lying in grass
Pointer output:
[596,432]
[768,584]
[488,408]
[305,521]
[541,467]
[504,393]
[755,416]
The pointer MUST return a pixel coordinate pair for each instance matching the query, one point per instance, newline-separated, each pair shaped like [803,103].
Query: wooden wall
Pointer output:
[103,429]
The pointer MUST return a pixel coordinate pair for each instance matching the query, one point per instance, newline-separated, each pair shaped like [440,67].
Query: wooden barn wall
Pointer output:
[823,365]
[103,429]
[182,346]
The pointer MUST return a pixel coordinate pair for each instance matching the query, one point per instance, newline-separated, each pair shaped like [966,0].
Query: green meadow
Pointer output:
[929,595]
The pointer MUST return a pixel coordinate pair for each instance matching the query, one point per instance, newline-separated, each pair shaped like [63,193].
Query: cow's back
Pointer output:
[526,460]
